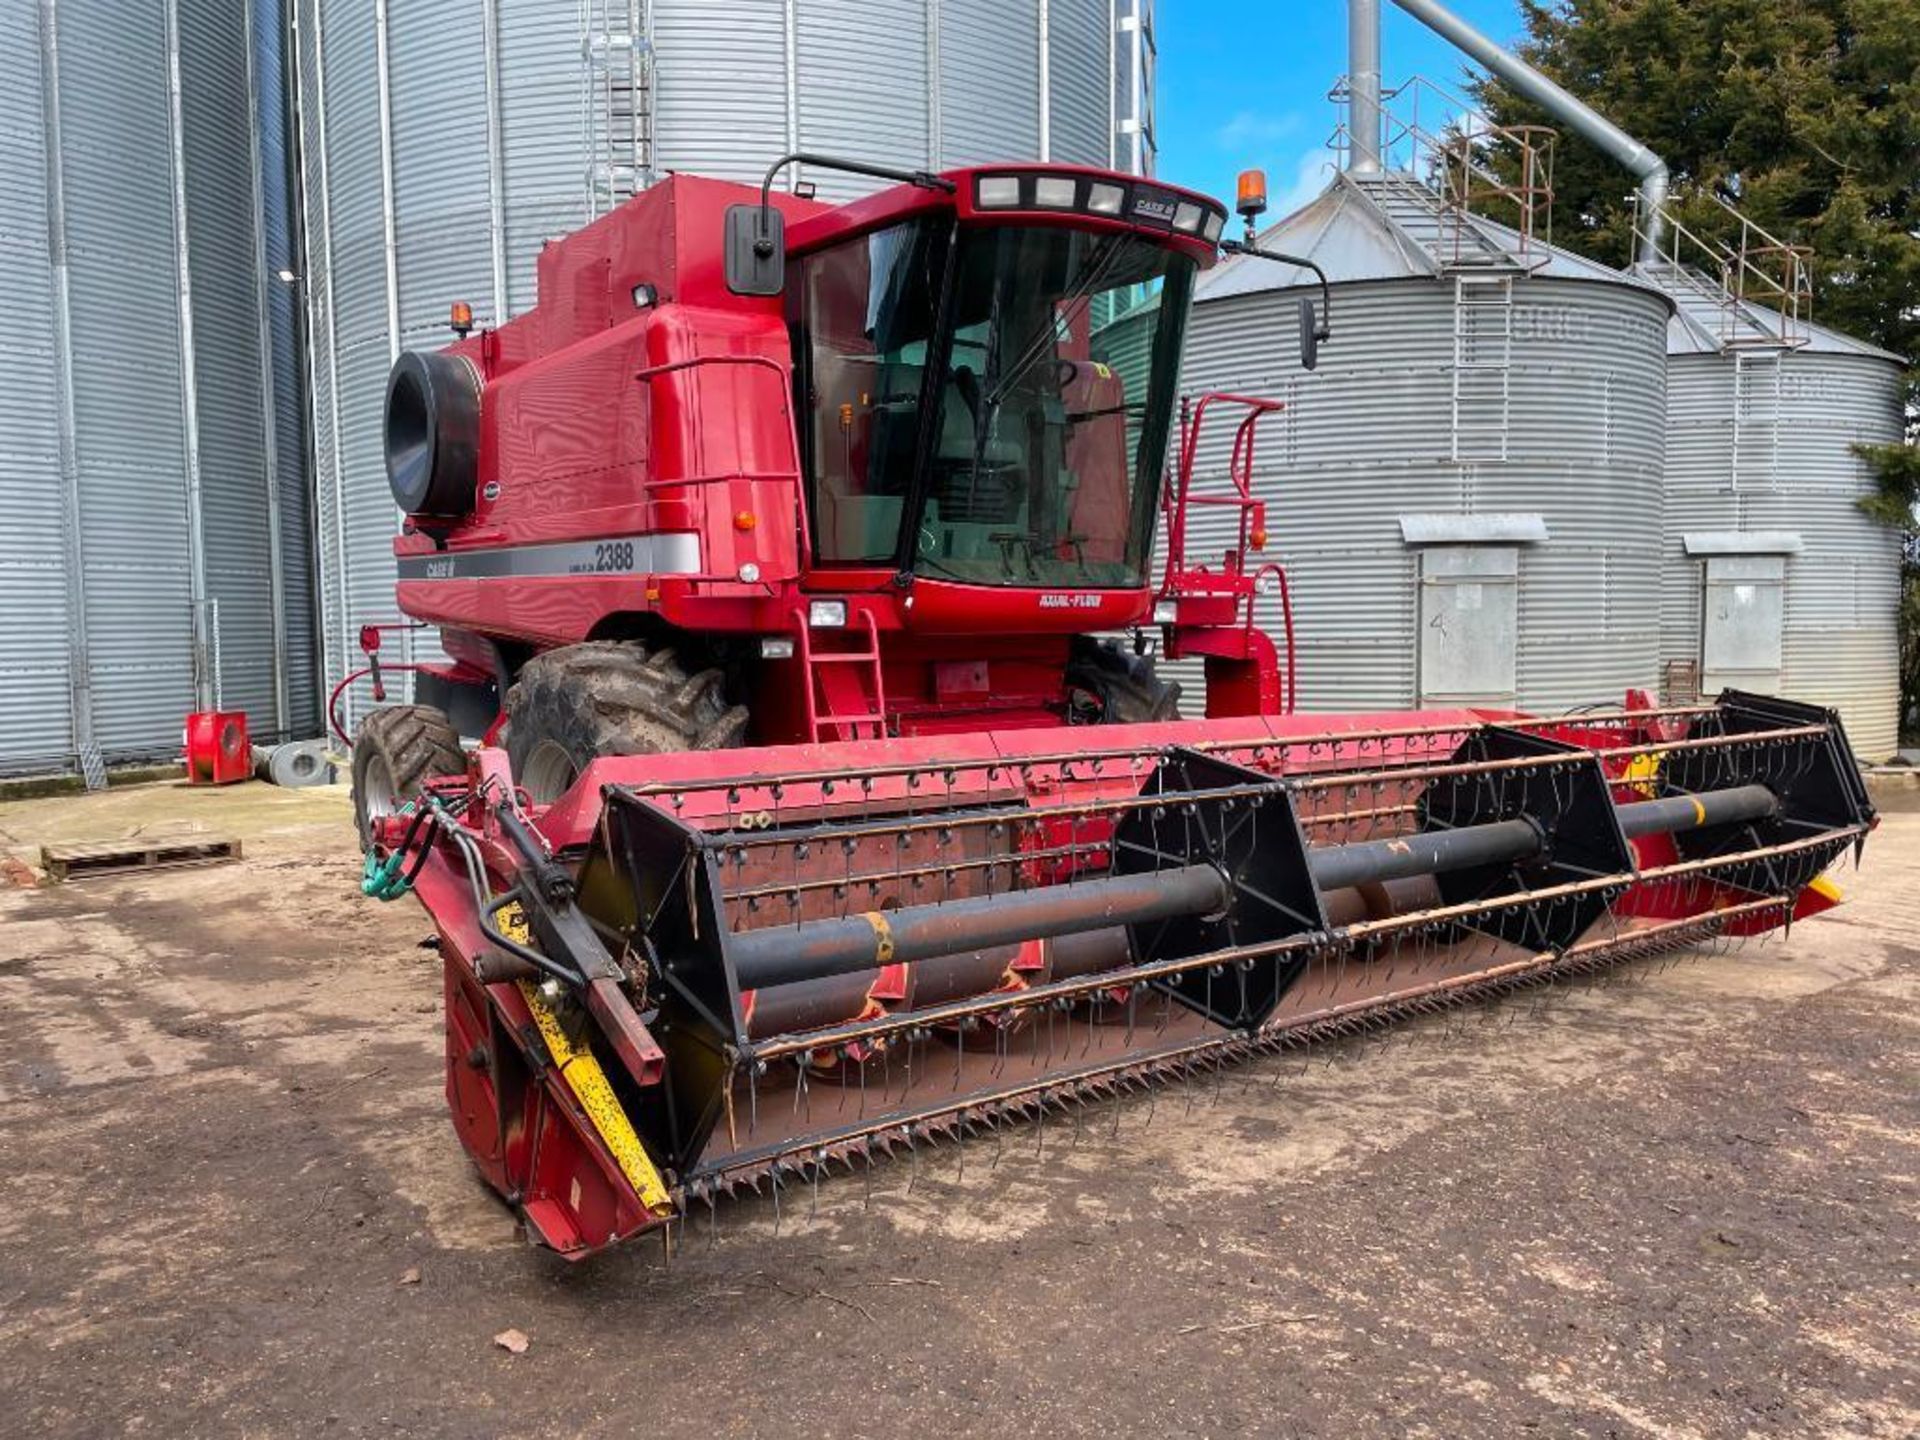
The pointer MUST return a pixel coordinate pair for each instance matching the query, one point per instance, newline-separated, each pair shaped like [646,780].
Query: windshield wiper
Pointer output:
[1099,262]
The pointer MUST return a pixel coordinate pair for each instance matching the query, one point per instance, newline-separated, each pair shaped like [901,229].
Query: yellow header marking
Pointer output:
[591,1087]
[1642,772]
[882,936]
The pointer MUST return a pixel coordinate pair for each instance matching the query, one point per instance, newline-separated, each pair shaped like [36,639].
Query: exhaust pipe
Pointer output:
[1581,118]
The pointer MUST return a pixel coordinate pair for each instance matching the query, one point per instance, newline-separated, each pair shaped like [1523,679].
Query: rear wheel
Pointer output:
[1123,684]
[573,705]
[397,749]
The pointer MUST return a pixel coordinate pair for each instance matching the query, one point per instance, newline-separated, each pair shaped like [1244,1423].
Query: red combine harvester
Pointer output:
[771,549]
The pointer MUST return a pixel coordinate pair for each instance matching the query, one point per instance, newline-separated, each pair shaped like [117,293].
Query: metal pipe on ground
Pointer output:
[294,764]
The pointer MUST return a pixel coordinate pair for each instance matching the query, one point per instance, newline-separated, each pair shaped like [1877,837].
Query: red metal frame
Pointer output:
[1213,609]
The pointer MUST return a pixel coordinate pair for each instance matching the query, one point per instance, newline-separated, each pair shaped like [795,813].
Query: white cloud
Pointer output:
[1312,173]
[1249,128]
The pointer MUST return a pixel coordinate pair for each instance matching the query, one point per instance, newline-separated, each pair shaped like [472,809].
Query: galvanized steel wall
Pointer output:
[1369,438]
[143,464]
[1790,470]
[444,140]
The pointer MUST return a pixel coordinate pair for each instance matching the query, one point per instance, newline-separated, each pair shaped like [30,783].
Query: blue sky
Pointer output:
[1246,85]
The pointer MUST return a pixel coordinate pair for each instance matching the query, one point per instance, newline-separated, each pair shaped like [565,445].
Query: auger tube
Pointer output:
[1694,812]
[789,954]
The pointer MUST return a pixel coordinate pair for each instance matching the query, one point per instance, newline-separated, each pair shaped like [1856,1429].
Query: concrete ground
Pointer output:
[1682,1206]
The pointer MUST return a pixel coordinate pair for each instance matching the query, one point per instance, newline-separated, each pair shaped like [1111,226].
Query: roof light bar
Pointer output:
[1139,202]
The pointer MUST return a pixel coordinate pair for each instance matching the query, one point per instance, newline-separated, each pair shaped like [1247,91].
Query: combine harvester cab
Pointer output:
[703,970]
[923,856]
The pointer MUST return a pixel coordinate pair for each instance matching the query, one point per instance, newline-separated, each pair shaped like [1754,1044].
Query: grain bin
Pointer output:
[1466,492]
[154,556]
[1771,577]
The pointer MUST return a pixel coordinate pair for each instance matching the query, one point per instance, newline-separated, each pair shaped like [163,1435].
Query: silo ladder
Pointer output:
[1756,419]
[1482,366]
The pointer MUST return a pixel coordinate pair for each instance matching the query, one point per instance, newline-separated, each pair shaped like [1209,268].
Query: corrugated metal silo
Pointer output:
[149,460]
[1466,492]
[1772,579]
[444,140]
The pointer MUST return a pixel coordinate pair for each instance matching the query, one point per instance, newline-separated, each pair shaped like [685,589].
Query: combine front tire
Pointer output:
[573,705]
[397,749]
[1124,684]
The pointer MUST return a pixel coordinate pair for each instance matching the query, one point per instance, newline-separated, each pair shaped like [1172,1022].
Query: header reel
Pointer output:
[816,962]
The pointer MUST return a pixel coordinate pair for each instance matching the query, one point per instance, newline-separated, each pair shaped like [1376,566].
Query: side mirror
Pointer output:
[756,250]
[1309,335]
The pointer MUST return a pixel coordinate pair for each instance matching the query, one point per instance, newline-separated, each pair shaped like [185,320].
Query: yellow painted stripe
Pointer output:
[882,937]
[1825,889]
[591,1087]
[595,1093]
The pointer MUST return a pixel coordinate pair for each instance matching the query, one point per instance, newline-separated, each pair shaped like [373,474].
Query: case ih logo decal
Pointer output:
[1153,207]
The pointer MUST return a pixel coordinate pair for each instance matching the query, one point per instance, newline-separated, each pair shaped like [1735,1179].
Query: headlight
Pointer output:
[826,614]
[997,191]
[749,572]
[776,647]
[1267,582]
[1105,199]
[1215,223]
[1055,191]
[1166,612]
[1186,216]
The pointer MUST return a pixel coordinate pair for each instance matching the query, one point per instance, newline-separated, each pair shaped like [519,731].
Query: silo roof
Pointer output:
[1702,313]
[1354,237]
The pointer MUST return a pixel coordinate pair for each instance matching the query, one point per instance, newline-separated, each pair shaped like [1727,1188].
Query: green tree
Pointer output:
[1804,113]
[1896,473]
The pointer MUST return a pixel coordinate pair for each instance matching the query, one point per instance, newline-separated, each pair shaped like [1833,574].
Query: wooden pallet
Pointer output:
[144,852]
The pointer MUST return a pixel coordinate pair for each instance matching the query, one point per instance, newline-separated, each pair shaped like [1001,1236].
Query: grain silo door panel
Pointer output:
[1743,614]
[1469,604]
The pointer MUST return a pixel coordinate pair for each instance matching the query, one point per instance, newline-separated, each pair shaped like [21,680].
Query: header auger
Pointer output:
[813,815]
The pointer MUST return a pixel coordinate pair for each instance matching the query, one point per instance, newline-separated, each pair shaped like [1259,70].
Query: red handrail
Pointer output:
[793,477]
[1239,471]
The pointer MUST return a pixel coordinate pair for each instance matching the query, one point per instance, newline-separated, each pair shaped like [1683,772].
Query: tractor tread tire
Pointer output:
[418,744]
[617,698]
[1129,691]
